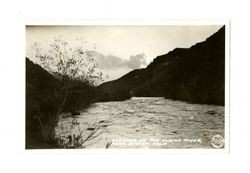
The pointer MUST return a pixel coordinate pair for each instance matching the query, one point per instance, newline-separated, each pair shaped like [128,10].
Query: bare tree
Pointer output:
[67,64]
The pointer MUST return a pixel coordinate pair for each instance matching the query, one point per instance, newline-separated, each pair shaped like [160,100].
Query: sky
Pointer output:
[120,49]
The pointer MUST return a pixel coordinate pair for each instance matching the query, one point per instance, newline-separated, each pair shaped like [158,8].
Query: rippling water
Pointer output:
[146,123]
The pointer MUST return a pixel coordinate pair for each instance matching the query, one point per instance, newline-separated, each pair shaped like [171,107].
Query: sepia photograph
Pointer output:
[125,86]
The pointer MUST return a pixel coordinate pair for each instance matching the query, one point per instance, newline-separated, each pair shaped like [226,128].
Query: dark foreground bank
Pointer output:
[41,89]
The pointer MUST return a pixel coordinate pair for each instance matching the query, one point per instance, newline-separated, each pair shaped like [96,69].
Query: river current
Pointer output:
[143,122]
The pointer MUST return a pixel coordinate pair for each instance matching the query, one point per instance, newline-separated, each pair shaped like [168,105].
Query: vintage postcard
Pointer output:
[127,85]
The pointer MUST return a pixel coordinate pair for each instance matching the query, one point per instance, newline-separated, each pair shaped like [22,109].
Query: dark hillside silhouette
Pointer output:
[195,74]
[40,102]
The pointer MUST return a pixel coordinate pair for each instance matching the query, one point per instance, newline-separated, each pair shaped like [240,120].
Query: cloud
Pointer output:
[115,67]
[137,61]
[111,62]
[108,62]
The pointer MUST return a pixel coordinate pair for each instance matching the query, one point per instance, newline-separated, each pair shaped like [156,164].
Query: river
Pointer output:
[144,122]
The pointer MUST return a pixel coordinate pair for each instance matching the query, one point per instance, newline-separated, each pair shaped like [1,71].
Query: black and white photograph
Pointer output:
[125,86]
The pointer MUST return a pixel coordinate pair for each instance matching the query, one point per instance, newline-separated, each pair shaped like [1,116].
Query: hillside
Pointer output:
[41,105]
[195,74]
[39,85]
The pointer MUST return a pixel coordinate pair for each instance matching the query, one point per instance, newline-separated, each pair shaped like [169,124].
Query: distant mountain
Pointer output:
[195,74]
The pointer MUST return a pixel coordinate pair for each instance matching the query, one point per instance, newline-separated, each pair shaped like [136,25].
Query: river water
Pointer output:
[143,122]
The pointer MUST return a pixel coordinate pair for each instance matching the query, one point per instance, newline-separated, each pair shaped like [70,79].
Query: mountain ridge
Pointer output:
[195,74]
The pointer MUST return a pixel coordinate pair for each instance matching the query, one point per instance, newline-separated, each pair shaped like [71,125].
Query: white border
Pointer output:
[22,54]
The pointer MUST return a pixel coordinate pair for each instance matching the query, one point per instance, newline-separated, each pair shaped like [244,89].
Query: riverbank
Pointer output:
[42,103]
